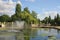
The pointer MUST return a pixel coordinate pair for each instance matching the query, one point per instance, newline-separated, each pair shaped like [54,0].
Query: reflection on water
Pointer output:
[45,34]
[11,36]
[32,34]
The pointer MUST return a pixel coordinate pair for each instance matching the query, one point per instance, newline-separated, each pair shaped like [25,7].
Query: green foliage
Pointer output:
[49,19]
[55,21]
[28,17]
[52,22]
[18,11]
[39,21]
[34,14]
[13,17]
[26,9]
[45,20]
[4,18]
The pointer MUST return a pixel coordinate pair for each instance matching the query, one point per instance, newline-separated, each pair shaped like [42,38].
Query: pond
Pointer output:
[33,34]
[45,34]
[11,35]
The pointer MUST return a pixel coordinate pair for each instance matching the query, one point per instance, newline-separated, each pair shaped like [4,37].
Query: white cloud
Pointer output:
[47,14]
[51,13]
[19,2]
[7,7]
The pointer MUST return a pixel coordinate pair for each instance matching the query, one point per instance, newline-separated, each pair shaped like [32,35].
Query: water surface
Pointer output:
[45,34]
[33,34]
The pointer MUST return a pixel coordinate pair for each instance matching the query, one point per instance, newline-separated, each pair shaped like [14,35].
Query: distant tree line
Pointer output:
[25,15]
[53,22]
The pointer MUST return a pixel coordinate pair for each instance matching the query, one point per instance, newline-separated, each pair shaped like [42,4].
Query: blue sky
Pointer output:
[43,8]
[40,5]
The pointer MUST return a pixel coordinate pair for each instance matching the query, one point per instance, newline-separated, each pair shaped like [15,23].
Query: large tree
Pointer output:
[58,19]
[4,18]
[34,14]
[17,14]
[18,10]
[14,18]
[26,9]
[45,20]
[49,19]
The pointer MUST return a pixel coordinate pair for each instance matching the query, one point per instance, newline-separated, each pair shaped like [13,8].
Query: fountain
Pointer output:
[18,25]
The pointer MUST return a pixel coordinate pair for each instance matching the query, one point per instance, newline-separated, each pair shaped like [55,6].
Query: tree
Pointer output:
[46,20]
[55,20]
[4,18]
[39,21]
[18,10]
[52,22]
[26,9]
[58,19]
[34,14]
[49,19]
[14,18]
